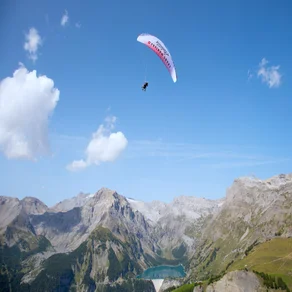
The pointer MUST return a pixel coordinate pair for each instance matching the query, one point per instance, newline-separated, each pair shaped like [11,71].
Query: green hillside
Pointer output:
[273,257]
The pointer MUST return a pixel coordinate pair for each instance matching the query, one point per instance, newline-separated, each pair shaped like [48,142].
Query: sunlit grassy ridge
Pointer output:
[273,257]
[271,260]
[185,288]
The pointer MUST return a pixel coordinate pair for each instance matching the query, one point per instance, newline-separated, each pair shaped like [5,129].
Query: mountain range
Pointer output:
[102,241]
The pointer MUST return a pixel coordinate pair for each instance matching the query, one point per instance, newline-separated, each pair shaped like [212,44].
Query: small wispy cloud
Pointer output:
[247,163]
[78,25]
[214,156]
[108,109]
[184,151]
[249,75]
[32,42]
[269,74]
[65,18]
[104,146]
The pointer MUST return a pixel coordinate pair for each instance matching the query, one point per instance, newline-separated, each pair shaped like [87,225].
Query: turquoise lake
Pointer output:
[161,272]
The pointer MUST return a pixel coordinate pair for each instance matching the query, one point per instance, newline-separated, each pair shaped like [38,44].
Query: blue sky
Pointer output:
[221,120]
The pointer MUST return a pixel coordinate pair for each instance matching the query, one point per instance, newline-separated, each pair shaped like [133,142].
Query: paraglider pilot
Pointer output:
[145,86]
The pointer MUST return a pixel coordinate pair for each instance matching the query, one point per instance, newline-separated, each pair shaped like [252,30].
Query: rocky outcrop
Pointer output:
[237,281]
[256,209]
[170,283]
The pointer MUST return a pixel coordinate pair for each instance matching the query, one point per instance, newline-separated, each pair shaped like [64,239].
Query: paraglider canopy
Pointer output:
[157,46]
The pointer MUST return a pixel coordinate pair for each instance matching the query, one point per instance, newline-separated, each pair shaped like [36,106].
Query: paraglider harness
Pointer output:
[145,86]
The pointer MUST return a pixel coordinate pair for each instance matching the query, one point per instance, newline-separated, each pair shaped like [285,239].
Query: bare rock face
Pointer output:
[237,281]
[170,283]
[15,225]
[10,208]
[33,206]
[198,289]
[260,207]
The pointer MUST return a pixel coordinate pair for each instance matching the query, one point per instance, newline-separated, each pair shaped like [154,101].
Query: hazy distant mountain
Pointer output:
[177,225]
[69,204]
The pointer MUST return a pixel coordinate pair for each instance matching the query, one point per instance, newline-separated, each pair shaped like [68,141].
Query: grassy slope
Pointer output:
[273,257]
[185,288]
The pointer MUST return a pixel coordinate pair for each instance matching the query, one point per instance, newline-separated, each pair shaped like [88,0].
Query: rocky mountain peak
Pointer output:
[251,189]
[105,194]
[10,208]
[8,200]
[33,206]
[280,179]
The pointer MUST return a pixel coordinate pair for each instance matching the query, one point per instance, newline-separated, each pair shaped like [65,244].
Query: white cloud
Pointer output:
[78,25]
[32,43]
[104,146]
[65,18]
[269,75]
[26,102]
[77,165]
[249,75]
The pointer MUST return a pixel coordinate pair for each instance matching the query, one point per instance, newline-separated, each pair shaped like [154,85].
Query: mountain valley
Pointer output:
[103,241]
